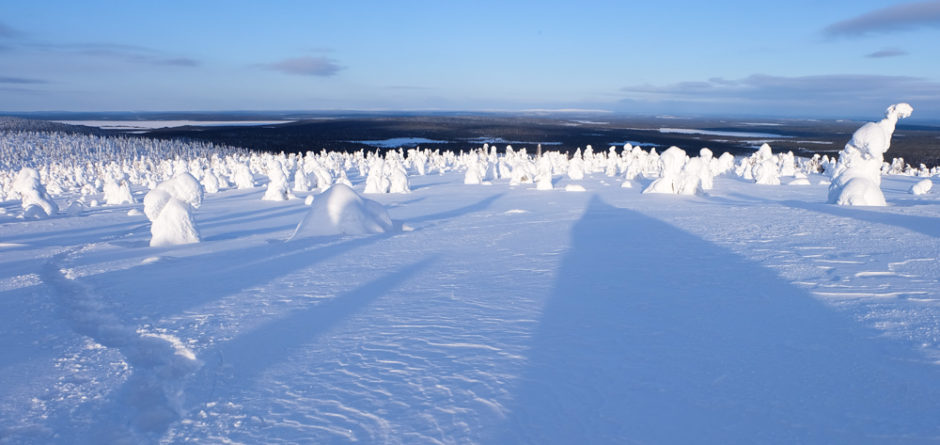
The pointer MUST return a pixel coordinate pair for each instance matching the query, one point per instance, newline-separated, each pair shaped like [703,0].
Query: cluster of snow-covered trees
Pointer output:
[46,170]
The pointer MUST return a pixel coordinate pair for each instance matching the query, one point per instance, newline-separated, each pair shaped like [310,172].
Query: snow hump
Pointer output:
[342,211]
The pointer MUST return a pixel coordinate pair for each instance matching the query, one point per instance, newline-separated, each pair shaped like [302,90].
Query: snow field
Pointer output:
[507,314]
[507,310]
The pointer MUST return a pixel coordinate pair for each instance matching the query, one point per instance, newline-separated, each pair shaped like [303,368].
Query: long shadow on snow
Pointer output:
[277,209]
[145,406]
[652,335]
[145,401]
[450,214]
[72,236]
[248,355]
[176,284]
[922,224]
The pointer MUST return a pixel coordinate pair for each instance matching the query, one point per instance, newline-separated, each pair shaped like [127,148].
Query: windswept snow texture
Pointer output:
[502,314]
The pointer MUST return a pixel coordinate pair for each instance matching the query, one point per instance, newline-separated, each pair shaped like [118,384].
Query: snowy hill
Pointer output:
[495,312]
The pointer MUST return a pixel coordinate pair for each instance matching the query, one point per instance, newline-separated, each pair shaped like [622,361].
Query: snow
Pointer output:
[494,140]
[740,134]
[399,142]
[342,211]
[170,207]
[506,314]
[856,180]
[921,187]
[36,203]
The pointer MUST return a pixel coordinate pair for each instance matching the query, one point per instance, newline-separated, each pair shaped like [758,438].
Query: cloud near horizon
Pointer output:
[7,32]
[115,51]
[887,52]
[820,94]
[21,80]
[306,66]
[900,17]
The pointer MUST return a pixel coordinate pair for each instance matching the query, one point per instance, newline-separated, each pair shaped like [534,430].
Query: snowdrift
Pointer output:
[342,211]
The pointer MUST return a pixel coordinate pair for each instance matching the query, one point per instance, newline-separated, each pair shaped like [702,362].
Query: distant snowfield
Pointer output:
[150,125]
[740,134]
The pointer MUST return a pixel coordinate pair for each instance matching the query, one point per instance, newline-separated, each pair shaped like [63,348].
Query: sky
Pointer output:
[737,58]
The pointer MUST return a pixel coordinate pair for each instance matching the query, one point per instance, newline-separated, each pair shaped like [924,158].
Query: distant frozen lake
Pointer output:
[149,125]
[739,134]
[400,142]
[634,143]
[492,140]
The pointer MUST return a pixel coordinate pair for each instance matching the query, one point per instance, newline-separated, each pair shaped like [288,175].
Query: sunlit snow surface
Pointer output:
[751,314]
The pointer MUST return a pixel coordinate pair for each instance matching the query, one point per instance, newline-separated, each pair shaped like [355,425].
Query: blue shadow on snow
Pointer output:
[652,335]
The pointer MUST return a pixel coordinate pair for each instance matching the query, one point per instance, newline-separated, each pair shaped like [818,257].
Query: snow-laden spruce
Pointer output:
[342,211]
[35,201]
[117,191]
[678,175]
[170,207]
[277,182]
[857,177]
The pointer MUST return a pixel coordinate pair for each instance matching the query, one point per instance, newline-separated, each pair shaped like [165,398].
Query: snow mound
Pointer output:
[342,211]
[574,188]
[922,187]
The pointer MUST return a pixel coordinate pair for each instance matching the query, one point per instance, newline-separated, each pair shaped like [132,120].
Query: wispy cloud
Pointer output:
[306,66]
[779,87]
[900,17]
[7,32]
[887,52]
[21,80]
[21,91]
[126,53]
[407,88]
[178,61]
[821,94]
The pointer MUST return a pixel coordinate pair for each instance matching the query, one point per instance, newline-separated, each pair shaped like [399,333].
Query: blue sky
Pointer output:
[796,58]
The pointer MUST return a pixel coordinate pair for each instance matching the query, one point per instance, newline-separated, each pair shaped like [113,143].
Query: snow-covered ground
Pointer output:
[168,291]
[501,314]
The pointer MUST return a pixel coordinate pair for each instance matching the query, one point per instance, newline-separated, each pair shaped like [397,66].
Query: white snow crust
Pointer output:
[454,313]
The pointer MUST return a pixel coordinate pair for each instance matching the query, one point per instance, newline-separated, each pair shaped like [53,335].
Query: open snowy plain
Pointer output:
[487,313]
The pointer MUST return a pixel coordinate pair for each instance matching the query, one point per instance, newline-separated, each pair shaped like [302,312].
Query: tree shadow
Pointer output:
[652,335]
[186,282]
[480,205]
[922,224]
[249,354]
[149,402]
[428,185]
